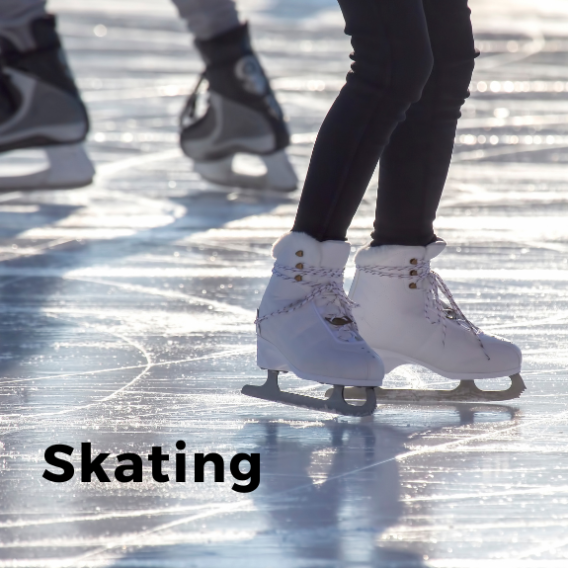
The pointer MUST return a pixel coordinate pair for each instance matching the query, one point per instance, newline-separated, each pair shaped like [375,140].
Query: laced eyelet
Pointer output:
[413,273]
[339,321]
[439,304]
[299,266]
[326,290]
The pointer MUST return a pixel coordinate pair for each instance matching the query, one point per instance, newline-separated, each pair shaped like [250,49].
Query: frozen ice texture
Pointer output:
[127,312]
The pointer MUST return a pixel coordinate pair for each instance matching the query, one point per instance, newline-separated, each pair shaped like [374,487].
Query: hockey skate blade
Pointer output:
[466,391]
[279,176]
[335,404]
[68,167]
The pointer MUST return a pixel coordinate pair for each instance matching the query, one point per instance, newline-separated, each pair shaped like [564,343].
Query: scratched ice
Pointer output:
[127,311]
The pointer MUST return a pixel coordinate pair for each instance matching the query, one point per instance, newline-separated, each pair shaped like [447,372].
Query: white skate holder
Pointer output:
[279,176]
[466,391]
[68,167]
[335,404]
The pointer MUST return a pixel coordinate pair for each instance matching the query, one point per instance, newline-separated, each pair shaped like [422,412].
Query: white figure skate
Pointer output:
[402,316]
[40,108]
[305,326]
[243,117]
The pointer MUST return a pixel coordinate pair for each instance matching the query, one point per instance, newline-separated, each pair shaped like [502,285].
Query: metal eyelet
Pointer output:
[299,265]
[300,253]
[412,286]
[413,261]
[298,278]
[339,321]
[413,273]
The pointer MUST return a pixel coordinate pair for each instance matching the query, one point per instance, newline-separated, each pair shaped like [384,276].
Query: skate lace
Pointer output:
[188,114]
[331,292]
[434,291]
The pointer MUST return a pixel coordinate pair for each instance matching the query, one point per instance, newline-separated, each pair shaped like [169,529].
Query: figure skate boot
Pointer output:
[407,314]
[305,326]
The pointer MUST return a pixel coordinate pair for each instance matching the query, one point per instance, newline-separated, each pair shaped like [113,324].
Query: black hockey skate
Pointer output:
[242,117]
[40,107]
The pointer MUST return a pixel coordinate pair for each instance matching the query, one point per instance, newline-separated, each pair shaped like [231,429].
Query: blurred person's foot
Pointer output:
[242,117]
[40,107]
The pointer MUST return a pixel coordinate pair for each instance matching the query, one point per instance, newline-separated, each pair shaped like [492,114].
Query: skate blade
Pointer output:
[466,391]
[68,167]
[335,404]
[279,176]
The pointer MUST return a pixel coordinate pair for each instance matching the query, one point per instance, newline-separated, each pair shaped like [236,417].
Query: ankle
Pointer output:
[420,239]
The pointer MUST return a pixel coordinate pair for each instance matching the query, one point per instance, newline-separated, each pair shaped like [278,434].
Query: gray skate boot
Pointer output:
[243,116]
[40,107]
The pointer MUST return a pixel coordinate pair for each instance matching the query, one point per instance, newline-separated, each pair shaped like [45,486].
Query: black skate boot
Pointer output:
[243,116]
[40,107]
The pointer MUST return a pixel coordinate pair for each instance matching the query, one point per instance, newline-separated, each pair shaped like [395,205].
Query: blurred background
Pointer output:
[127,310]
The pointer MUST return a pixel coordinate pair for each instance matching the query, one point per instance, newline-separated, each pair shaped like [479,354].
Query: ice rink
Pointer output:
[128,307]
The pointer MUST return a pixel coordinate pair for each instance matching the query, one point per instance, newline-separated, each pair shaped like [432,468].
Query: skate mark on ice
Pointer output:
[515,121]
[528,49]
[220,355]
[138,540]
[476,155]
[192,300]
[538,550]
[108,170]
[495,432]
[103,516]
[149,364]
[488,494]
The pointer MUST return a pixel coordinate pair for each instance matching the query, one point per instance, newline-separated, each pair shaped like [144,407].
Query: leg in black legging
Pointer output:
[392,60]
[414,166]
[393,44]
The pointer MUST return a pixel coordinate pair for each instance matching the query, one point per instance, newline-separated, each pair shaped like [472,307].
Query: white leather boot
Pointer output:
[405,318]
[305,324]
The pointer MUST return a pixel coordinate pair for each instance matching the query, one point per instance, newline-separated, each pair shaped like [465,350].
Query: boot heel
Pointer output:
[390,360]
[268,357]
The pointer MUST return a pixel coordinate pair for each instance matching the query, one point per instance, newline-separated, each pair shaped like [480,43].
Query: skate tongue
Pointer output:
[434,249]
[189,112]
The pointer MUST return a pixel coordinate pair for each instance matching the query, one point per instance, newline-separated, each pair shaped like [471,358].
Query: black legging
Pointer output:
[412,64]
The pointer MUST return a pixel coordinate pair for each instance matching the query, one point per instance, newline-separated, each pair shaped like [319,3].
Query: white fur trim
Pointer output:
[395,255]
[329,254]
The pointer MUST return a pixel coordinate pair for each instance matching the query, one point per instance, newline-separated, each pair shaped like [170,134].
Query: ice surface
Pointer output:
[127,311]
